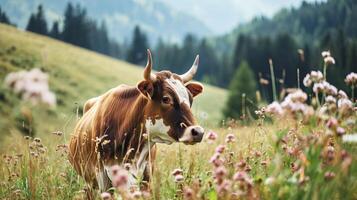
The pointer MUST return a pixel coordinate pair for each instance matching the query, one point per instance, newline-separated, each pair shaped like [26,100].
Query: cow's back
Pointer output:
[83,153]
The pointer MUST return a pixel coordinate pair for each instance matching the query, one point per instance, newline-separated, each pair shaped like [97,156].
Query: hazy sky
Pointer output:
[222,15]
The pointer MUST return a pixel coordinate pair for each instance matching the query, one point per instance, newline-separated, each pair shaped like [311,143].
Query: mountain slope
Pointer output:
[155,17]
[75,75]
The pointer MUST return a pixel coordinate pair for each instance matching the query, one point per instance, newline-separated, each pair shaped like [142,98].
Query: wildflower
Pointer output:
[224,187]
[257,154]
[106,196]
[27,137]
[344,105]
[316,76]
[330,99]
[342,94]
[230,138]
[332,123]
[58,133]
[188,193]
[318,87]
[38,140]
[220,149]
[127,166]
[179,178]
[120,176]
[275,108]
[220,172]
[340,131]
[325,54]
[216,160]
[248,168]
[264,163]
[211,135]
[32,85]
[240,176]
[351,79]
[349,138]
[269,181]
[329,60]
[329,175]
[177,171]
[241,164]
[136,194]
[307,81]
[263,81]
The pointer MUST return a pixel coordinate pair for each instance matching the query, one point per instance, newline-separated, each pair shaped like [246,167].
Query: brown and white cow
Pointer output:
[123,125]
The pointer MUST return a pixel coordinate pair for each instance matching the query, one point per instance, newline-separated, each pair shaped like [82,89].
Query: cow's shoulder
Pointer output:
[124,92]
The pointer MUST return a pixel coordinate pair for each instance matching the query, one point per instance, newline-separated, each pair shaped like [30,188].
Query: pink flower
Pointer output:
[340,131]
[106,196]
[179,178]
[211,135]
[224,187]
[332,123]
[220,172]
[177,172]
[220,148]
[188,193]
[351,79]
[230,138]
[216,160]
[120,176]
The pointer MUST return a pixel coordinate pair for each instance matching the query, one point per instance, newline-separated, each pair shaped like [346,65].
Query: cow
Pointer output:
[123,125]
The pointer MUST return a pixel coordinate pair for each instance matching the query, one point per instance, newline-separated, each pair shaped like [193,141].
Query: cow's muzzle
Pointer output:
[192,135]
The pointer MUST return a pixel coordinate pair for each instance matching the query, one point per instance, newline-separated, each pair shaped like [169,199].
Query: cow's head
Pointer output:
[170,99]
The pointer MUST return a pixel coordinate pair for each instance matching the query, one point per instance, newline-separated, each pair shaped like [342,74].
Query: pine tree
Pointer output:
[41,21]
[243,83]
[137,51]
[31,25]
[37,22]
[3,18]
[55,32]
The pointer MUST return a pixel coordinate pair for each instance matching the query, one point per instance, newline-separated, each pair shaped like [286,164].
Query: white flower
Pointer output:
[318,87]
[329,60]
[325,54]
[32,85]
[275,108]
[330,99]
[349,138]
[351,79]
[316,76]
[307,82]
[344,105]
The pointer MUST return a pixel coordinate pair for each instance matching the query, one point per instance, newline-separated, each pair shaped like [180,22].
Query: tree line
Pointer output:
[78,29]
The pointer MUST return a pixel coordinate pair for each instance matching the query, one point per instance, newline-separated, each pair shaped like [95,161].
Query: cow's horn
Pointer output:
[191,73]
[147,71]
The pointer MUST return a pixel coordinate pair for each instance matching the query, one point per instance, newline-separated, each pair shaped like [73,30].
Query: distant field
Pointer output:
[76,75]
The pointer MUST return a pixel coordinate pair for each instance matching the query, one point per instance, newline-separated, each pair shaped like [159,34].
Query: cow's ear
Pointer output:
[195,88]
[146,88]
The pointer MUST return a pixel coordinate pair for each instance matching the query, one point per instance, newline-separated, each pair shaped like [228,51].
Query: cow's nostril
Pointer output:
[194,132]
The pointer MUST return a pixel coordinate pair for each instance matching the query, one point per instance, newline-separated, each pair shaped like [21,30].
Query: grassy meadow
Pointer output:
[286,157]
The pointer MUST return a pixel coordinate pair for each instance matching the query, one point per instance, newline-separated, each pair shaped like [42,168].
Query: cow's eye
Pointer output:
[166,100]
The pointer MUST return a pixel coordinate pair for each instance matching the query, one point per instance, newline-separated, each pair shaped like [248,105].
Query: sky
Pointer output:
[222,16]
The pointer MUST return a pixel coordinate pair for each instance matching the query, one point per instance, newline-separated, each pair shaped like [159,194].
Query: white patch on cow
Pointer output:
[142,160]
[158,131]
[180,90]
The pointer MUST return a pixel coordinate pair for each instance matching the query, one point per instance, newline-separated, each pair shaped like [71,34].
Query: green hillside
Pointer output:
[75,75]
